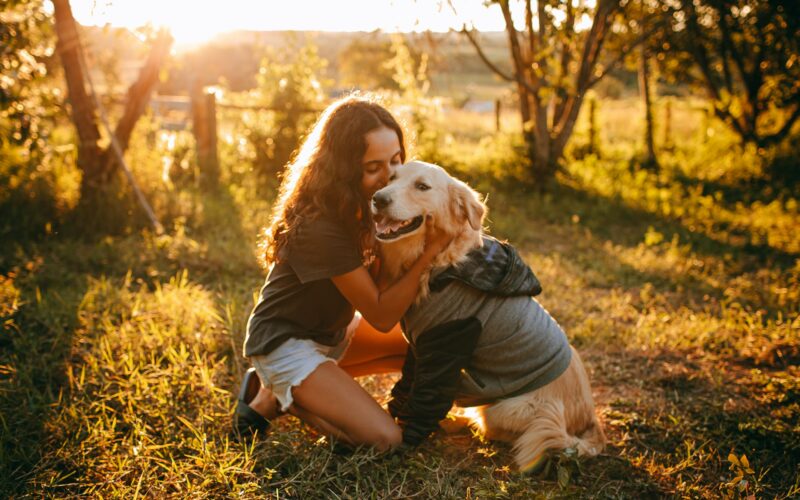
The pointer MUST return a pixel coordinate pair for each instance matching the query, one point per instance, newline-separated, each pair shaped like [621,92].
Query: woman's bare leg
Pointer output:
[265,403]
[319,424]
[332,396]
[371,352]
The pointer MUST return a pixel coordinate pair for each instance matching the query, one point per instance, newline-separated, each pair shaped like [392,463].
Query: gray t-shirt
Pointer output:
[298,299]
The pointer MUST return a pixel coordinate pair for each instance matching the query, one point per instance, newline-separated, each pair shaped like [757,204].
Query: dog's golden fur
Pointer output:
[557,416]
[455,207]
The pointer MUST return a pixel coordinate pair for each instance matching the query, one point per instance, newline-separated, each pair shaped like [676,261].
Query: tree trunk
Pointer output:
[138,96]
[544,168]
[98,165]
[644,90]
[84,112]
[594,147]
[668,125]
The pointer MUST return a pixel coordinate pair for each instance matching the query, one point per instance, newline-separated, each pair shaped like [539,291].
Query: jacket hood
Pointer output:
[495,268]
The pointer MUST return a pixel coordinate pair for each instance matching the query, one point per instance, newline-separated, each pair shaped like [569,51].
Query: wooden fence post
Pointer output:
[668,145]
[594,147]
[705,127]
[497,110]
[204,126]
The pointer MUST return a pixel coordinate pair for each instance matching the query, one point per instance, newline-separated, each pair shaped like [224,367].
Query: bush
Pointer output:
[289,84]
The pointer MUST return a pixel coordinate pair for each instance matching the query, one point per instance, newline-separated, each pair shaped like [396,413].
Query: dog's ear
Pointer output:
[467,204]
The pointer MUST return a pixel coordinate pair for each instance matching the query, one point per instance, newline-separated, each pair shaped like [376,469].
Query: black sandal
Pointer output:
[247,421]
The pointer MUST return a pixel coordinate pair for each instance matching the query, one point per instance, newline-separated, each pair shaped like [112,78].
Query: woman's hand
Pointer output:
[436,240]
[383,306]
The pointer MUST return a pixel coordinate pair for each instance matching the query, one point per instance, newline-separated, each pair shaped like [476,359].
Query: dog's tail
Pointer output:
[548,430]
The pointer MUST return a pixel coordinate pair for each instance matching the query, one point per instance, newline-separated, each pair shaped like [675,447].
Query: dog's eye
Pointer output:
[422,186]
[393,177]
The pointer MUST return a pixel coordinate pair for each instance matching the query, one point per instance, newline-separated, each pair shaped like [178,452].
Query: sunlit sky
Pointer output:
[198,21]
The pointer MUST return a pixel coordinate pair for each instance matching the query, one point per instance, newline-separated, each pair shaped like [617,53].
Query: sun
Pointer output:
[191,29]
[190,23]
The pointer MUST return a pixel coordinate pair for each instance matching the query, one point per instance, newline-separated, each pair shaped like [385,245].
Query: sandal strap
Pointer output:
[247,420]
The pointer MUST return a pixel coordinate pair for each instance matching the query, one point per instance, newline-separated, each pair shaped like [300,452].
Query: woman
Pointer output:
[319,245]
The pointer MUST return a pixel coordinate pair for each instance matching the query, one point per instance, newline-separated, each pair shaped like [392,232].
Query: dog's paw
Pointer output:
[454,424]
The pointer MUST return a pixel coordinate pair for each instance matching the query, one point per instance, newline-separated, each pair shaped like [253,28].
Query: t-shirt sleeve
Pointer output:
[322,249]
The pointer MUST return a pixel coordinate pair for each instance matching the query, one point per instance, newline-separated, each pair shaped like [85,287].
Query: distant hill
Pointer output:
[234,57]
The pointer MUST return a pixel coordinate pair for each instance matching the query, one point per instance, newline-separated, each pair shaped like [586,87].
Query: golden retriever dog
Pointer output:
[560,413]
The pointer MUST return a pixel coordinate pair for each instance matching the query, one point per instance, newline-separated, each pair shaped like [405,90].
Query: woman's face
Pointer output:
[383,155]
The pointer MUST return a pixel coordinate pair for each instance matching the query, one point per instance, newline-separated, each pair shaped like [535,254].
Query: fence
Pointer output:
[199,114]
[200,111]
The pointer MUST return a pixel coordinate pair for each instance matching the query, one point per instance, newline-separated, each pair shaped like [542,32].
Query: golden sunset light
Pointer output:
[399,249]
[194,22]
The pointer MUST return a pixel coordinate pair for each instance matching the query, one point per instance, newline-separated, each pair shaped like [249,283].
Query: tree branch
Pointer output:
[564,123]
[698,52]
[594,42]
[68,48]
[750,112]
[521,66]
[776,137]
[566,53]
[484,58]
[529,29]
[611,66]
[492,66]
[139,93]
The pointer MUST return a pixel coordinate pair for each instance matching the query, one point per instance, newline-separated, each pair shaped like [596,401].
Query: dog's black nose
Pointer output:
[381,200]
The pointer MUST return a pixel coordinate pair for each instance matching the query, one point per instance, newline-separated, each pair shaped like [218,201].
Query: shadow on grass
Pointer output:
[36,346]
[623,216]
[230,267]
[51,276]
[762,190]
[679,418]
[612,220]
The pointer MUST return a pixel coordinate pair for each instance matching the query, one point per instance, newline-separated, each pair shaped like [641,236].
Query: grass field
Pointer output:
[120,355]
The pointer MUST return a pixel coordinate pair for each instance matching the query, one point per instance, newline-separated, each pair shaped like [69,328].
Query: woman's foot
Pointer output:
[254,407]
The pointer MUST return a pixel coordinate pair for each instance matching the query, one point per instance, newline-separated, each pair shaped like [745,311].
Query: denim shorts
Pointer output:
[294,360]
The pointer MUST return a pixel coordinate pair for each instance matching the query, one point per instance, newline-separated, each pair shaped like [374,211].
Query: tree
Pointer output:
[26,106]
[29,109]
[554,64]
[746,54]
[648,23]
[98,164]
[648,9]
[646,93]
[289,83]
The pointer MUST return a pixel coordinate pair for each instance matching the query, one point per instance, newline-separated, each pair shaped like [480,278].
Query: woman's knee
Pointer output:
[393,436]
[384,437]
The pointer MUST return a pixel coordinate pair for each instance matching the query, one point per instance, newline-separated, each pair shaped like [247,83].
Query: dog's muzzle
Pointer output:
[381,200]
[388,228]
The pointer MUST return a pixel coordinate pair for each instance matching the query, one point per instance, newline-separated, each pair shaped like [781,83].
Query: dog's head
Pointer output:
[417,190]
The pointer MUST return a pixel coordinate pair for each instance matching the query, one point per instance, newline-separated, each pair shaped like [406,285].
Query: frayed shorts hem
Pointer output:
[293,361]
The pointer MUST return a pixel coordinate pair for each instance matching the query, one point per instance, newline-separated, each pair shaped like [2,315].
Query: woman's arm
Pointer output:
[384,308]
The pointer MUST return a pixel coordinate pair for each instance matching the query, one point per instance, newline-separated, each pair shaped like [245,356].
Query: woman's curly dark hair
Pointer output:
[325,176]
